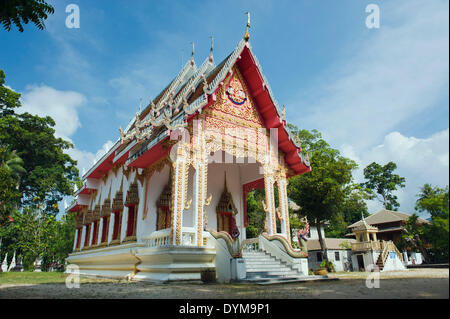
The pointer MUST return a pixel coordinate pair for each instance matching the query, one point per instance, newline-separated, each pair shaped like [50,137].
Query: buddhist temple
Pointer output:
[168,200]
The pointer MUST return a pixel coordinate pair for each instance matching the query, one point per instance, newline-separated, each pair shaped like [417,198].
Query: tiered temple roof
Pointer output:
[193,89]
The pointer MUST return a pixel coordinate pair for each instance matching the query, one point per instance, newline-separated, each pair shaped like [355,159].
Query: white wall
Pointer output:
[314,234]
[339,265]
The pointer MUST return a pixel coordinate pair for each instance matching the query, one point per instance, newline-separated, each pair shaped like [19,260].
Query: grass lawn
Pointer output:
[40,278]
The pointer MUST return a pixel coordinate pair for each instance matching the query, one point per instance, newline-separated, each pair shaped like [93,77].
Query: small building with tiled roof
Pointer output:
[390,224]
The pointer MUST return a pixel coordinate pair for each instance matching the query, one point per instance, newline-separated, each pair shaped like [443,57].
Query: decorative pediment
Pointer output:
[106,208]
[132,195]
[234,105]
[96,214]
[88,218]
[165,199]
[79,219]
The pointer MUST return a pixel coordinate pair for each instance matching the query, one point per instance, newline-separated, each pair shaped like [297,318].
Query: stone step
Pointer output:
[262,267]
[271,274]
[272,270]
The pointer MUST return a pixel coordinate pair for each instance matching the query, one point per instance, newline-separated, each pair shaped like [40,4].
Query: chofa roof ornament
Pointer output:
[247,34]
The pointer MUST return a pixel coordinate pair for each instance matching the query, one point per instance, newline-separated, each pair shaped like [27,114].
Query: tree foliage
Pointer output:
[9,195]
[46,171]
[9,100]
[35,234]
[435,201]
[19,12]
[321,193]
[384,182]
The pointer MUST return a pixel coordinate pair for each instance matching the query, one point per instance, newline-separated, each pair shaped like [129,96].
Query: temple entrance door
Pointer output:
[256,216]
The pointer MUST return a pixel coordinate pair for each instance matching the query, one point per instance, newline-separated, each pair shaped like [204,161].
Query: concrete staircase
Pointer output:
[264,268]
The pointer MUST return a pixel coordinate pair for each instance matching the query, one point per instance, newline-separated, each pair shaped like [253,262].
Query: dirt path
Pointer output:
[406,285]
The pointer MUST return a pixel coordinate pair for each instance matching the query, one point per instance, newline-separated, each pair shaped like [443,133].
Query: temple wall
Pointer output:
[155,187]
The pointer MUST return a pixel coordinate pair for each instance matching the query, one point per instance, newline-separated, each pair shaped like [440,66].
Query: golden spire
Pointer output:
[247,34]
[211,59]
[192,54]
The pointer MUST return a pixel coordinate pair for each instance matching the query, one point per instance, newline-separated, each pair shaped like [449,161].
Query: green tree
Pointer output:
[255,213]
[353,208]
[384,182]
[413,237]
[12,163]
[49,173]
[35,234]
[9,100]
[20,12]
[9,195]
[321,193]
[435,201]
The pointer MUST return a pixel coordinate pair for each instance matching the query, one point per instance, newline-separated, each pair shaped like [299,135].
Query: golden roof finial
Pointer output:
[211,49]
[247,34]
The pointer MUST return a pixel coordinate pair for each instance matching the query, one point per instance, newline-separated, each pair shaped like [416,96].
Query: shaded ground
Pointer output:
[410,284]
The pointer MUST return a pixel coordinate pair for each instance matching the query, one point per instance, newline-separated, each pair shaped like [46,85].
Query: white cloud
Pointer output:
[60,105]
[393,74]
[390,76]
[419,160]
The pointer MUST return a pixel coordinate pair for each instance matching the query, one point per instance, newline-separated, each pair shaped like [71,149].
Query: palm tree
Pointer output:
[13,164]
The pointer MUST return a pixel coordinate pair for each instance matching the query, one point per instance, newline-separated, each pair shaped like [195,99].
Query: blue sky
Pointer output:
[375,94]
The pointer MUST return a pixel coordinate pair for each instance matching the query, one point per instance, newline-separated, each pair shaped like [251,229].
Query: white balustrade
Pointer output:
[161,238]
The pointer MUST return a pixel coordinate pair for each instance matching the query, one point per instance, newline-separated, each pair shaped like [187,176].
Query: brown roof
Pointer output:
[331,243]
[385,216]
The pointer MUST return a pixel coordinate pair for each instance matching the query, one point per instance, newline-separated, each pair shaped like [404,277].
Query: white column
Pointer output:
[100,229]
[77,234]
[123,230]
[111,227]
[91,234]
[179,193]
[270,204]
[83,236]
[284,209]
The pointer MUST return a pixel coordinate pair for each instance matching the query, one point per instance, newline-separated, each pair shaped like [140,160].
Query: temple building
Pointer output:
[168,200]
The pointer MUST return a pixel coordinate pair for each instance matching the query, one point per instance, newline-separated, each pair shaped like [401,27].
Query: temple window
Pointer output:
[163,219]
[106,213]
[117,209]
[96,217]
[88,234]
[95,234]
[117,225]
[105,229]
[226,214]
[131,225]
[131,202]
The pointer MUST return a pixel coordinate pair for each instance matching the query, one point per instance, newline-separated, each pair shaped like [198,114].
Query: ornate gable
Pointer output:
[234,106]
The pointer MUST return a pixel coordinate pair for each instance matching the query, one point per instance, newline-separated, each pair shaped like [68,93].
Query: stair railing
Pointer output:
[389,246]
[249,245]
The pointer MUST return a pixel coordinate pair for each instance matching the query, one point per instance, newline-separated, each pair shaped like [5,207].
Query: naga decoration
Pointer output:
[302,239]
